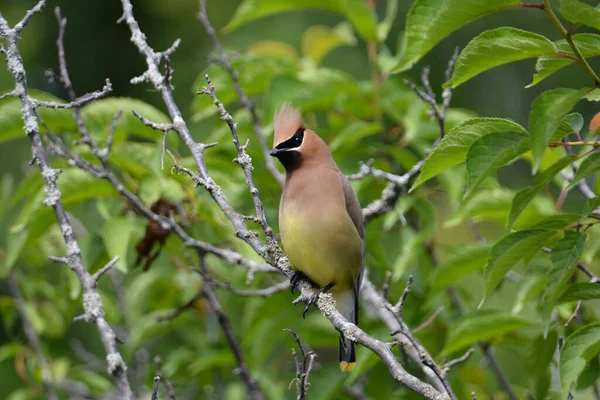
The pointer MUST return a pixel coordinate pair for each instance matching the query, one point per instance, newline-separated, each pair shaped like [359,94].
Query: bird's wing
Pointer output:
[353,206]
[355,212]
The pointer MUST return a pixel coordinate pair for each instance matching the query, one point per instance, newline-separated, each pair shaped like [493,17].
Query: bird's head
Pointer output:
[293,143]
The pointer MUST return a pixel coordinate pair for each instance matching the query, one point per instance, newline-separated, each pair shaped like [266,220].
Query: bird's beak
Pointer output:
[275,152]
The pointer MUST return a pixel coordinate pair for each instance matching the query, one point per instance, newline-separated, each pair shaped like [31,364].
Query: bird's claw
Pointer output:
[313,299]
[295,279]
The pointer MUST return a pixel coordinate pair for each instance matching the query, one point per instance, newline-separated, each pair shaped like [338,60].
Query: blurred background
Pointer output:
[99,48]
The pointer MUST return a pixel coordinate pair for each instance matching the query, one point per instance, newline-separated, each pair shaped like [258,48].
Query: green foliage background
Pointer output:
[316,56]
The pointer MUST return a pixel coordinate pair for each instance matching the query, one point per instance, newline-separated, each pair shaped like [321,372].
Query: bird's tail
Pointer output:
[348,306]
[347,355]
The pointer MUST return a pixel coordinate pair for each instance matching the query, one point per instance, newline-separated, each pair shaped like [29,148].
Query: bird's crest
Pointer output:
[287,120]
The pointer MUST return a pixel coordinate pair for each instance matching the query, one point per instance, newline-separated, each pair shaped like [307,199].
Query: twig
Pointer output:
[254,392]
[92,303]
[385,289]
[567,35]
[429,321]
[96,277]
[497,369]
[179,310]
[243,159]
[155,387]
[77,102]
[303,367]
[166,382]
[575,313]
[244,100]
[266,292]
[398,307]
[457,361]
[32,337]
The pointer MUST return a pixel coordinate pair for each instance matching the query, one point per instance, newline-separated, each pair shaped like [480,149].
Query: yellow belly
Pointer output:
[327,249]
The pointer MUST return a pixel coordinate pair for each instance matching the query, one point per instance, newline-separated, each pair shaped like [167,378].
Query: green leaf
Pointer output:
[116,234]
[479,326]
[524,196]
[529,288]
[588,44]
[430,21]
[466,260]
[512,249]
[580,13]
[547,112]
[588,166]
[581,291]
[496,47]
[491,152]
[565,256]
[15,243]
[356,11]
[383,28]
[579,348]
[570,124]
[453,148]
[319,40]
[557,221]
[539,354]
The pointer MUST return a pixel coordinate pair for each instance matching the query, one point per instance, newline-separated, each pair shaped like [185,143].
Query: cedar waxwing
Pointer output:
[320,220]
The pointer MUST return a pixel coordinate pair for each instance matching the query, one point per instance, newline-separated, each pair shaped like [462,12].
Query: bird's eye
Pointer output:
[298,140]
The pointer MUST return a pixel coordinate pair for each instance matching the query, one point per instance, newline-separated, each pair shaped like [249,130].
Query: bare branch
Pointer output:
[398,307]
[155,387]
[154,125]
[96,277]
[28,15]
[32,337]
[246,102]
[113,130]
[429,321]
[456,361]
[166,382]
[254,392]
[12,93]
[92,302]
[266,292]
[179,310]
[575,313]
[303,367]
[78,102]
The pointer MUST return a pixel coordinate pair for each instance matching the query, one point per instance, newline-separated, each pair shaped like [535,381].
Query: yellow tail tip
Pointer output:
[347,366]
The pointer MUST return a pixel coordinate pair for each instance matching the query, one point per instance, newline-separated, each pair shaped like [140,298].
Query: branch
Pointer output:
[303,367]
[567,35]
[253,390]
[270,251]
[78,102]
[92,303]
[166,382]
[246,102]
[266,292]
[32,337]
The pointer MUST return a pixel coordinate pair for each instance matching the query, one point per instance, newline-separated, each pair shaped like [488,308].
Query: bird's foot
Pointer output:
[313,299]
[296,278]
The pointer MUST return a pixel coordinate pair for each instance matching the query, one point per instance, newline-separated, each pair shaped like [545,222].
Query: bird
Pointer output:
[320,220]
